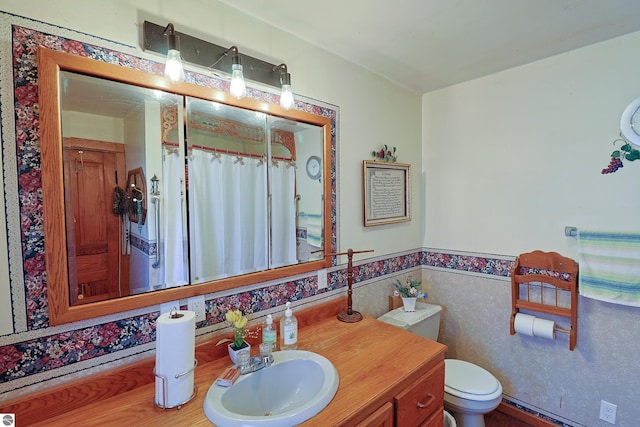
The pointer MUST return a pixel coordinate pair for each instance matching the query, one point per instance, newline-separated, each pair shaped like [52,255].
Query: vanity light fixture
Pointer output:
[193,50]
[286,95]
[173,68]
[237,88]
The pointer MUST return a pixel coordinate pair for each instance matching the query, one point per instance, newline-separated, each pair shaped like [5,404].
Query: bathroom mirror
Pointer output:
[126,226]
[248,220]
[112,134]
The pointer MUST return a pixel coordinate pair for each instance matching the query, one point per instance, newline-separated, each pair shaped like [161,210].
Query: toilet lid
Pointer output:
[469,381]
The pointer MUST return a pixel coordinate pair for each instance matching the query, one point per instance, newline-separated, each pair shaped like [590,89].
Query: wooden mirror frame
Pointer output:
[50,63]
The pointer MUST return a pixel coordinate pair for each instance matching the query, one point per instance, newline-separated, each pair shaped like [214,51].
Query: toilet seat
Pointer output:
[468,381]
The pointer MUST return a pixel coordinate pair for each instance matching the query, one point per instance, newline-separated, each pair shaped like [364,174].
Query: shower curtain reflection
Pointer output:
[173,232]
[283,207]
[228,215]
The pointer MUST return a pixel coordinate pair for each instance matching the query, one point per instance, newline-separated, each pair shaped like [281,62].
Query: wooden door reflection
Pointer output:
[98,269]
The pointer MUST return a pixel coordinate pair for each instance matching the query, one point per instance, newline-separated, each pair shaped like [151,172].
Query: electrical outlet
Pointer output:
[196,304]
[608,411]
[322,279]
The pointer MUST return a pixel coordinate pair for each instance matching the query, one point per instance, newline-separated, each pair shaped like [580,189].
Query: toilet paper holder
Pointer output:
[534,320]
[549,273]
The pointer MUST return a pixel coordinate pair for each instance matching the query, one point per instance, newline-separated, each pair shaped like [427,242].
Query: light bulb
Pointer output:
[286,97]
[173,69]
[238,89]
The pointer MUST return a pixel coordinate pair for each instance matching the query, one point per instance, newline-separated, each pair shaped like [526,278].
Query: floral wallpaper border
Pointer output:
[145,246]
[44,354]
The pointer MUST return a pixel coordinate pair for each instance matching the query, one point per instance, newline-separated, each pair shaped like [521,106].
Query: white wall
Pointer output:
[92,126]
[512,158]
[509,160]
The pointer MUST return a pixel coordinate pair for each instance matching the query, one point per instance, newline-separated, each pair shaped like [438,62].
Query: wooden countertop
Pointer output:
[375,361]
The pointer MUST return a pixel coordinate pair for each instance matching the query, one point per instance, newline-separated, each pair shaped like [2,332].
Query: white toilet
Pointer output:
[469,390]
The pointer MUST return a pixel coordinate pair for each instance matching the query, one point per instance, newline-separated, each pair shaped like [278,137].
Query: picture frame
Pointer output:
[386,192]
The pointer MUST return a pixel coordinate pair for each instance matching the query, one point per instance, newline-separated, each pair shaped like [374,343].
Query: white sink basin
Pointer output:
[297,386]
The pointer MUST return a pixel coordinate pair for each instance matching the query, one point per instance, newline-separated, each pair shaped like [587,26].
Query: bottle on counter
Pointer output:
[269,333]
[288,330]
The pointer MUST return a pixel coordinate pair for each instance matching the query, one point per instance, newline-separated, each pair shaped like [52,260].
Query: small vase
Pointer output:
[409,304]
[233,353]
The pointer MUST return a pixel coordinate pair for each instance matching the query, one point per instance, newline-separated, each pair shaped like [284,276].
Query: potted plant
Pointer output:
[409,291]
[238,344]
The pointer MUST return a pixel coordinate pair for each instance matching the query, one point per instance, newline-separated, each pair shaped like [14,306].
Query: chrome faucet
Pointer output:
[256,363]
[252,364]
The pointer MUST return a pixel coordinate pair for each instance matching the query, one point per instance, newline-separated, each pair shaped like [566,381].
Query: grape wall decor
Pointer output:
[629,134]
[626,152]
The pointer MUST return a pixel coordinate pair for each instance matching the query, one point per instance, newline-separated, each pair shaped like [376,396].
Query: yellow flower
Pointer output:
[240,323]
[233,316]
[236,318]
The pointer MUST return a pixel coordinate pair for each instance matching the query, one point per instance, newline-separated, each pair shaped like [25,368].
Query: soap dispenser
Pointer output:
[269,333]
[288,330]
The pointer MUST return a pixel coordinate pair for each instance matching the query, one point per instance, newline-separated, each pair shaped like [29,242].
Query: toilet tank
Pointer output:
[425,321]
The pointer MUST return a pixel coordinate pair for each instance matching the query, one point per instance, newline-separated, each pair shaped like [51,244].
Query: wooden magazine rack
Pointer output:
[537,280]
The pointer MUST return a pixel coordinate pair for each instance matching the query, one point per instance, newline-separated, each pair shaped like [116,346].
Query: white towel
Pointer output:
[314,230]
[609,266]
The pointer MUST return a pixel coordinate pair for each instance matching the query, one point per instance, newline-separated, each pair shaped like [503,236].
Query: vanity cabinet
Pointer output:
[380,386]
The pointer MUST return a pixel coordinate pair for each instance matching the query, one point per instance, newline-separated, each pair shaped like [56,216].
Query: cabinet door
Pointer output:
[382,417]
[421,399]
[435,420]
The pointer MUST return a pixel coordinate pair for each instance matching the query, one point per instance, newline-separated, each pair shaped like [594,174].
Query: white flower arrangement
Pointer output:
[410,289]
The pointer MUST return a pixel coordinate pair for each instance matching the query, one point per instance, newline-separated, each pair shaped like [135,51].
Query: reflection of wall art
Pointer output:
[169,117]
[241,133]
[137,191]
[387,192]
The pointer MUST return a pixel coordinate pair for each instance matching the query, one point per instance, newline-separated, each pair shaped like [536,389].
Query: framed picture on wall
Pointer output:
[386,192]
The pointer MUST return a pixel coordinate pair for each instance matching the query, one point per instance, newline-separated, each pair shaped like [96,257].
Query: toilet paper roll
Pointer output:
[544,328]
[175,353]
[523,324]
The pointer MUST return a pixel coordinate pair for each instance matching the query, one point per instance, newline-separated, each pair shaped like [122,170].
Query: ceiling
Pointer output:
[425,45]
